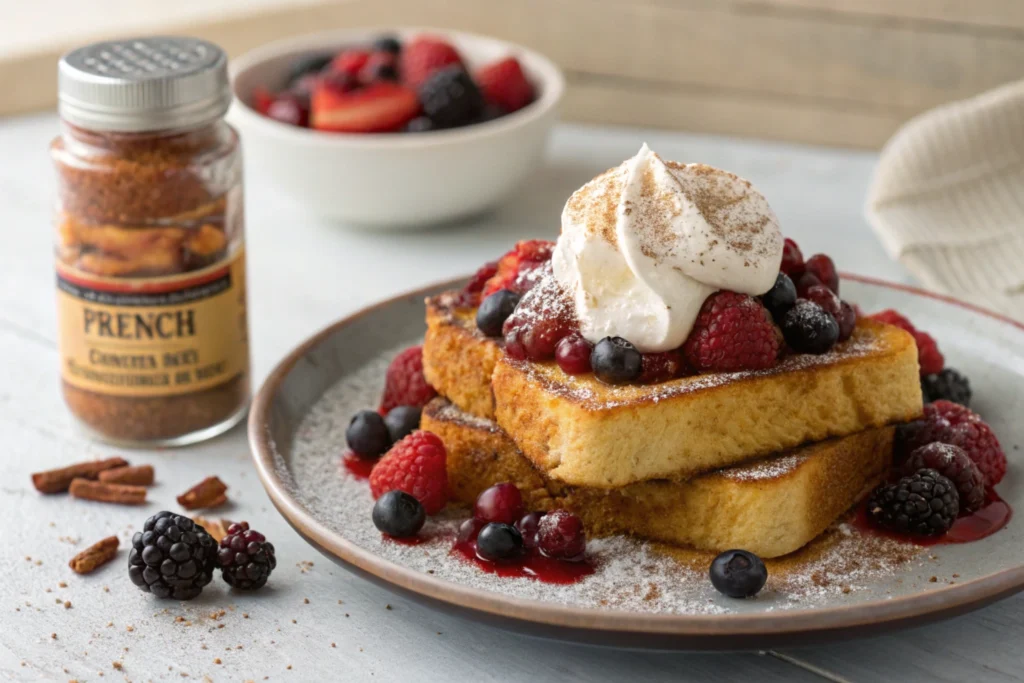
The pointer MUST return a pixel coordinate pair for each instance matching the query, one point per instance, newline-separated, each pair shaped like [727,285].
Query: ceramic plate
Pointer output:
[639,596]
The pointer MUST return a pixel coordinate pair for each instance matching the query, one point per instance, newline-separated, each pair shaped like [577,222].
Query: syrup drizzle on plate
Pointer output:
[356,465]
[993,516]
[531,564]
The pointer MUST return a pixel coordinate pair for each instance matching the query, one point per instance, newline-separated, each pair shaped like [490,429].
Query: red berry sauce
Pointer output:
[993,516]
[356,465]
[531,564]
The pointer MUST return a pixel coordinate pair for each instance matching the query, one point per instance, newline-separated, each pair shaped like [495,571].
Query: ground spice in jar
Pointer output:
[150,244]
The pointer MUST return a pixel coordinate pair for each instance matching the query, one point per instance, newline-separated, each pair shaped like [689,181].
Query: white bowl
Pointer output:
[395,179]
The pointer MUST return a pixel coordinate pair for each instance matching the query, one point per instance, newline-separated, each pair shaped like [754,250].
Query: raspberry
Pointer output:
[405,384]
[470,296]
[923,504]
[928,356]
[504,84]
[416,465]
[953,463]
[733,332]
[824,269]
[661,367]
[512,268]
[423,56]
[951,423]
[792,259]
[543,318]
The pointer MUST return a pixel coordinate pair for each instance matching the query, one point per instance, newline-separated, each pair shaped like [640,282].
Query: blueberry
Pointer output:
[398,514]
[367,434]
[402,421]
[809,328]
[388,44]
[616,361]
[307,64]
[498,542]
[420,124]
[738,574]
[495,310]
[781,297]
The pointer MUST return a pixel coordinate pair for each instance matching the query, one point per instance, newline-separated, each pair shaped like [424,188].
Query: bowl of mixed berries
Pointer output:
[402,127]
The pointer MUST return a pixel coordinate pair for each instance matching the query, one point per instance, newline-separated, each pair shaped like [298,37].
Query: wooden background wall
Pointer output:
[843,72]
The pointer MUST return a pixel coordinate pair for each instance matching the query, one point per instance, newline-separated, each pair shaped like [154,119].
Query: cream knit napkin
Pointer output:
[947,199]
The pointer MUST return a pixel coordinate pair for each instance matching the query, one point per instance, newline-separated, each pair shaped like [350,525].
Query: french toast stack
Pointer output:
[763,461]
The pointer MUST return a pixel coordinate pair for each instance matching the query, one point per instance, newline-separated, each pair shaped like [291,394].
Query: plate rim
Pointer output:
[928,606]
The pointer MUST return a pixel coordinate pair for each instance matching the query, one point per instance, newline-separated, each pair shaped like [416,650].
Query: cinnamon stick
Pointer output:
[58,480]
[209,493]
[104,492]
[218,528]
[140,475]
[94,556]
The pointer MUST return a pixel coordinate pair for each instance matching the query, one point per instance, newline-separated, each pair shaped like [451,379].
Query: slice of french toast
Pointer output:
[770,507]
[458,360]
[583,432]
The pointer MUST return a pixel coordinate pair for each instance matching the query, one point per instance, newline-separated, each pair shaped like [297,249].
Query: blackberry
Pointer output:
[809,328]
[245,557]
[172,557]
[450,98]
[923,504]
[954,464]
[420,124]
[738,574]
[388,44]
[947,385]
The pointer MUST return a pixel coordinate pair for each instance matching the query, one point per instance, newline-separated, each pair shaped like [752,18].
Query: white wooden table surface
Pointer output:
[304,274]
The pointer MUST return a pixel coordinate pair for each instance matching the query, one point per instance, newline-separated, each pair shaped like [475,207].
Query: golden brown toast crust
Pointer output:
[770,507]
[586,433]
[458,360]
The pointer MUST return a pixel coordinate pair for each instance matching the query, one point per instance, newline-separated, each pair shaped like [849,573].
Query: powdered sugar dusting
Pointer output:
[763,470]
[631,575]
[594,395]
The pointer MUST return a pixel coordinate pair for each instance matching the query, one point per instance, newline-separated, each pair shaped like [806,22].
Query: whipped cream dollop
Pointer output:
[645,243]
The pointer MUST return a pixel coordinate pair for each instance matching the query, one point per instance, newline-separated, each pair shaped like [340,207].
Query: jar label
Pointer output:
[162,336]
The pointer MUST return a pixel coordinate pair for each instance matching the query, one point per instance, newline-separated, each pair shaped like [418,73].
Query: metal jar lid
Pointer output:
[143,84]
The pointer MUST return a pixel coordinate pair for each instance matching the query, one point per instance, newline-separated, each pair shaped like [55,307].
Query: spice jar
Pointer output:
[150,246]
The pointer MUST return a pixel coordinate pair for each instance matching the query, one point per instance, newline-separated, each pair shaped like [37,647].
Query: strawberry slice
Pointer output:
[349,62]
[423,56]
[503,83]
[377,108]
